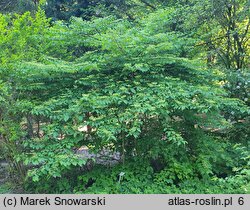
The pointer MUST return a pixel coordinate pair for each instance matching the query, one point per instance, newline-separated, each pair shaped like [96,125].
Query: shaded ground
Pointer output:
[4,185]
[104,157]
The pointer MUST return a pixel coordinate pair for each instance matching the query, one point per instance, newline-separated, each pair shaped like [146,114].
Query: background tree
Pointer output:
[17,6]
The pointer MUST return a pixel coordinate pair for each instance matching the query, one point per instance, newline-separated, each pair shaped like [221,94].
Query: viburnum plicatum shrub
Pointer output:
[134,86]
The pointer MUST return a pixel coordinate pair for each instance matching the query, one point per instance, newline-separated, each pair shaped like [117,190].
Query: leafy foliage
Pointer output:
[137,88]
